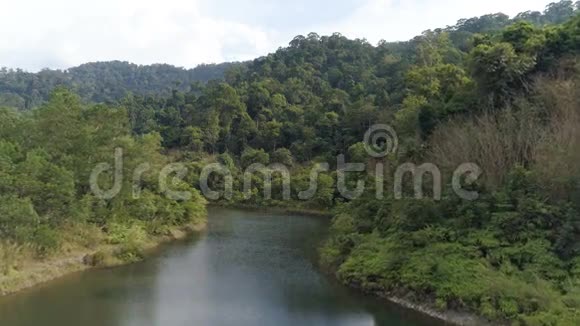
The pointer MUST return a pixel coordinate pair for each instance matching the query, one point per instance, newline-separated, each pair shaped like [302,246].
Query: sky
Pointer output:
[58,34]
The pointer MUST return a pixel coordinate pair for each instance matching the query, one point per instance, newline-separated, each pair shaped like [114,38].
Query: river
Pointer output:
[249,268]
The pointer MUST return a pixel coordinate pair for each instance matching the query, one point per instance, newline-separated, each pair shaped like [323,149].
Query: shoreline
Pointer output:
[44,271]
[426,308]
[277,209]
[449,316]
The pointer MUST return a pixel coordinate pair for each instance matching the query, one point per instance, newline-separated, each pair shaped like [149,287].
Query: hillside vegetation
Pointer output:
[496,91]
[46,205]
[499,92]
[101,81]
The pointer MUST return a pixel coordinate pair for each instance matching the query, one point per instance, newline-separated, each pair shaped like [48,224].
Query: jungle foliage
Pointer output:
[503,93]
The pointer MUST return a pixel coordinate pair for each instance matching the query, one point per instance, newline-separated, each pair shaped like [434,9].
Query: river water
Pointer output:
[249,268]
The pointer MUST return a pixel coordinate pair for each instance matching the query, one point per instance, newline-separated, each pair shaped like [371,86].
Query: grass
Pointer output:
[82,247]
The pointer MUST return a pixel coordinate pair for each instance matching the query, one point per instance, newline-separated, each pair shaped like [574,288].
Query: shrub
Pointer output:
[46,240]
[130,238]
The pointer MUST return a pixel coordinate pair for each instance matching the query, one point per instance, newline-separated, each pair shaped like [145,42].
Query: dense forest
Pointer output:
[497,91]
[102,81]
[46,203]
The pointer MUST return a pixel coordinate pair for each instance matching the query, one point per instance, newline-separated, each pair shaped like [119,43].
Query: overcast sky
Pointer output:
[36,34]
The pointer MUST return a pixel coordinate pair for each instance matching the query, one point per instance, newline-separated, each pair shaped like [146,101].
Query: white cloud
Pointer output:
[34,34]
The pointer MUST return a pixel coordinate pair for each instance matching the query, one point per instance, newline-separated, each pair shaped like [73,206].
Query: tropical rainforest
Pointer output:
[500,92]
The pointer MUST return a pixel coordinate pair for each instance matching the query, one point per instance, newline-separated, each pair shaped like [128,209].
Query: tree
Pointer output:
[252,156]
[534,17]
[282,156]
[559,12]
[193,138]
[524,37]
[17,218]
[499,70]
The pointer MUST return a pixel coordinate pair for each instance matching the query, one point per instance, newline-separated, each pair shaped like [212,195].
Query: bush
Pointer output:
[46,240]
[130,239]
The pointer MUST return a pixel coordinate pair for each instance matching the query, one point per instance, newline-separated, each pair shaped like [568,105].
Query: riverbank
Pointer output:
[36,272]
[449,316]
[103,256]
[33,272]
[279,210]
[56,267]
[426,308]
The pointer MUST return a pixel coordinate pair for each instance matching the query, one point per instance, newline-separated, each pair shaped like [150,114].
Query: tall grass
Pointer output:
[11,255]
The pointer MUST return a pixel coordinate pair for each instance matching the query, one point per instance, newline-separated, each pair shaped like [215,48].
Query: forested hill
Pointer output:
[328,90]
[112,81]
[498,92]
[102,81]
